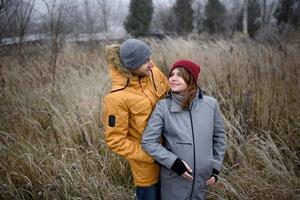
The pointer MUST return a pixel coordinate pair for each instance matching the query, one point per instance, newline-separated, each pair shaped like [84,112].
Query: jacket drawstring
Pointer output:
[127,83]
[153,81]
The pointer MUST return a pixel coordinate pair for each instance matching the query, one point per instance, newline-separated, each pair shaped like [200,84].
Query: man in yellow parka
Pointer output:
[136,87]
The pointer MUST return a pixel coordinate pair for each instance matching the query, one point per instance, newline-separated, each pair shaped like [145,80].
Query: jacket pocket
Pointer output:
[184,150]
[184,143]
[207,171]
[140,112]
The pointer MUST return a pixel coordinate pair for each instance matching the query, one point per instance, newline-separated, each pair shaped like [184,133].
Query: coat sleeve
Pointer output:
[116,120]
[219,145]
[151,138]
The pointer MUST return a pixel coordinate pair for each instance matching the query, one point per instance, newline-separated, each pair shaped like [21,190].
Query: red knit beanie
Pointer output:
[193,68]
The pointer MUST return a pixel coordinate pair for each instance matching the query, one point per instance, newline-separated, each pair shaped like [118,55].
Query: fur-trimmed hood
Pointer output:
[118,73]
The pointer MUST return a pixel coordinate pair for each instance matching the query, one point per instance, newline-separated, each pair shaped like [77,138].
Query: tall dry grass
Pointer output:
[52,144]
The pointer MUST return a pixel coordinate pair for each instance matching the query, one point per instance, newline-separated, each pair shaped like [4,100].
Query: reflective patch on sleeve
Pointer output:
[112,120]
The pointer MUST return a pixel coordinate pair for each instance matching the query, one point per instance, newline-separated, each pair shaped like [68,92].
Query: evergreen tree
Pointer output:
[288,12]
[183,17]
[215,14]
[138,21]
[254,18]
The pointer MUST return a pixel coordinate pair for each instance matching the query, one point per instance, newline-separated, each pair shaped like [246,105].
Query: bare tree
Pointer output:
[268,7]
[119,13]
[199,16]
[264,11]
[245,17]
[106,8]
[3,25]
[232,17]
[58,22]
[90,14]
[15,18]
[163,19]
[23,17]
[96,15]
[5,5]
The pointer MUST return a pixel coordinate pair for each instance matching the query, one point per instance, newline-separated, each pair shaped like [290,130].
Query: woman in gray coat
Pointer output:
[192,131]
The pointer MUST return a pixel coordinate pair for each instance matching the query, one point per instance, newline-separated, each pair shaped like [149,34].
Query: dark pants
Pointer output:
[148,193]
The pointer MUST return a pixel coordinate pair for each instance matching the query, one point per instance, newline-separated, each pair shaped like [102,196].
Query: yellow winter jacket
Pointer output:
[126,110]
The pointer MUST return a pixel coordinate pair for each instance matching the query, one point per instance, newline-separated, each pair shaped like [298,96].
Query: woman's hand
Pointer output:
[211,181]
[187,174]
[182,169]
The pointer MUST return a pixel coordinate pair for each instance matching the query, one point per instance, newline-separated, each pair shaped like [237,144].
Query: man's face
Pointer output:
[144,69]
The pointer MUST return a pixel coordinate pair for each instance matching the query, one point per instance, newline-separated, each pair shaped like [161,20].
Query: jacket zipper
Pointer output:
[194,154]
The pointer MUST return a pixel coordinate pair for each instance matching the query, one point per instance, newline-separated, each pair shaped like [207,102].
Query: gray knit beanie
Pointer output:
[134,53]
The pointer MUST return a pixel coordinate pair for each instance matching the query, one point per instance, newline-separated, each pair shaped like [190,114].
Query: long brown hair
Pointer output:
[191,87]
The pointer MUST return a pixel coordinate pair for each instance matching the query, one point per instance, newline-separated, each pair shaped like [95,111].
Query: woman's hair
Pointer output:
[191,87]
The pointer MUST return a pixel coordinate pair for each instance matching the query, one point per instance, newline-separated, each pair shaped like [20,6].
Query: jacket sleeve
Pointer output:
[219,144]
[151,138]
[115,120]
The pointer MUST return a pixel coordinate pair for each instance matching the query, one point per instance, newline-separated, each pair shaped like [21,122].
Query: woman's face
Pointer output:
[176,82]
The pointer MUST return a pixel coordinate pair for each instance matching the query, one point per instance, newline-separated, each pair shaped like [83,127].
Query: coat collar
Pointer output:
[176,100]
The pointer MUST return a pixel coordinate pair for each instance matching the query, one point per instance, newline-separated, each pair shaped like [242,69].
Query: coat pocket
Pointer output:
[206,170]
[184,143]
[184,150]
[140,112]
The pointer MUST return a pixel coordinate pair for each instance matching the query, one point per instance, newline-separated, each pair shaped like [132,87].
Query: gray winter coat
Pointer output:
[195,136]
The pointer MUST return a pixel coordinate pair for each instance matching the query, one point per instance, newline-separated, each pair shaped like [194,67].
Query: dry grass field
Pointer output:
[51,137]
